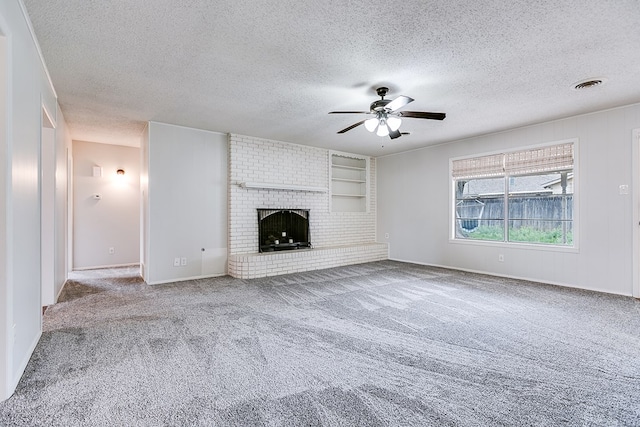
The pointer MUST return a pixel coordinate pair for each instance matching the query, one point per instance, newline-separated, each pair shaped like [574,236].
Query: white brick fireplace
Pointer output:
[279,175]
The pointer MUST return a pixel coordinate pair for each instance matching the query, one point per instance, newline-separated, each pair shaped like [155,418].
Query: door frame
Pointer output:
[7,384]
[47,193]
[635,166]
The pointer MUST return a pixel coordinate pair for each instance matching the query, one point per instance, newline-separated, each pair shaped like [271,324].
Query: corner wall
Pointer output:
[184,174]
[414,205]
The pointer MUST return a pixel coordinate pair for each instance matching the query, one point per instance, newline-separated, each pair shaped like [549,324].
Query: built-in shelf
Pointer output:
[349,167]
[286,187]
[349,182]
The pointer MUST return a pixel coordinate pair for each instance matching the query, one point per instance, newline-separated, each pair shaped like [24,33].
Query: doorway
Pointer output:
[47,210]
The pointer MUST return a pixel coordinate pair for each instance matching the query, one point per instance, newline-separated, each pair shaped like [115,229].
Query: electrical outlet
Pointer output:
[112,250]
[501,258]
[183,261]
[176,262]
[386,235]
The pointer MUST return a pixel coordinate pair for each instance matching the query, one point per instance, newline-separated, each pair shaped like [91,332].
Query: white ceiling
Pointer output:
[274,69]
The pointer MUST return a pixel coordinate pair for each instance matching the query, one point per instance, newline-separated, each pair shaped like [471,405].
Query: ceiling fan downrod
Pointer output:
[379,104]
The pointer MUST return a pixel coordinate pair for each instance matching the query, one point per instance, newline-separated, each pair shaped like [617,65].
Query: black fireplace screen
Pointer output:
[283,229]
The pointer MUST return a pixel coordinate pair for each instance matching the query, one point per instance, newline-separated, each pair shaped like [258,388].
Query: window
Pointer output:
[522,196]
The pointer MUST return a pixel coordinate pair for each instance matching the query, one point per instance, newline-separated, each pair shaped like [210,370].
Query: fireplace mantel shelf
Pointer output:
[268,186]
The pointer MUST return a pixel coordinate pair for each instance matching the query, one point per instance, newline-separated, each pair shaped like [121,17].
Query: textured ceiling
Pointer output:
[274,69]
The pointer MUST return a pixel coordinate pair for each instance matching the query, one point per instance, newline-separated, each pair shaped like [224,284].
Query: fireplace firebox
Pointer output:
[283,229]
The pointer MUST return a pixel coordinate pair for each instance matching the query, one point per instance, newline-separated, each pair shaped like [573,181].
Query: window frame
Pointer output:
[506,243]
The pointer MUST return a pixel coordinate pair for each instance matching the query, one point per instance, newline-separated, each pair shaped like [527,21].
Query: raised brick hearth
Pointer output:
[251,266]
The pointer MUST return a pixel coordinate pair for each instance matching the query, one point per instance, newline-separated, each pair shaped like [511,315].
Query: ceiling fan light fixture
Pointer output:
[371,124]
[383,129]
[394,123]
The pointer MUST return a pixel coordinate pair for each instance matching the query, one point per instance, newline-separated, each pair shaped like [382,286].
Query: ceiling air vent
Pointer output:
[586,84]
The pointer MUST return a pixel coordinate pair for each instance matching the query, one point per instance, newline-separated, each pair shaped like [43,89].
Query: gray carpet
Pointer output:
[376,344]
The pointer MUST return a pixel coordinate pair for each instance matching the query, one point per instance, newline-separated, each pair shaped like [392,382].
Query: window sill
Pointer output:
[517,245]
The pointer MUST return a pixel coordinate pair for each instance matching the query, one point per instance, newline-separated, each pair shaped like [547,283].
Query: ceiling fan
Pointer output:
[387,117]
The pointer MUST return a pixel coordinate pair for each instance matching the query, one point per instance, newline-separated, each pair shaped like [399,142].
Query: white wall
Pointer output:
[29,90]
[113,221]
[414,205]
[185,177]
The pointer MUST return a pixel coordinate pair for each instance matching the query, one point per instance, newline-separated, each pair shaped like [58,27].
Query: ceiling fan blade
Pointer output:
[422,115]
[395,134]
[347,129]
[349,112]
[397,103]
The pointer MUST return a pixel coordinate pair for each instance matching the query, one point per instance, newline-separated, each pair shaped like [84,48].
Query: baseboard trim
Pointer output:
[25,361]
[184,279]
[507,276]
[98,267]
[60,291]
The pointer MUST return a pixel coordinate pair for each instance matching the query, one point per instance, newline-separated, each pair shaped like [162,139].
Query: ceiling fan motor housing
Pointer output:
[379,104]
[382,91]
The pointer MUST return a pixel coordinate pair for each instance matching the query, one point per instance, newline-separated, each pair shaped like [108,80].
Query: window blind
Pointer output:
[538,160]
[478,167]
